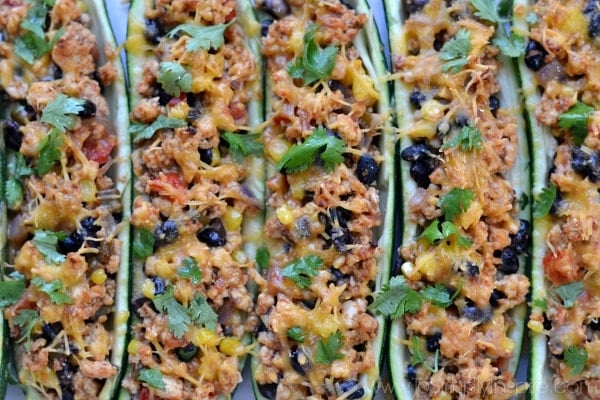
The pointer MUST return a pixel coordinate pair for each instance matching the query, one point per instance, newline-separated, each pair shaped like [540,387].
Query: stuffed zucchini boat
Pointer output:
[195,87]
[66,278]
[560,82]
[329,151]
[457,303]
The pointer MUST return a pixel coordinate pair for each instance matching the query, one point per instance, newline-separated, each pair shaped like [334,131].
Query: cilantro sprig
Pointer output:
[143,131]
[54,290]
[46,243]
[569,292]
[417,356]
[455,202]
[575,358]
[62,112]
[13,189]
[455,51]
[263,257]
[49,151]
[509,43]
[153,377]
[199,312]
[174,78]
[315,63]
[433,234]
[302,270]
[301,156]
[576,119]
[32,44]
[27,321]
[543,202]
[328,350]
[202,37]
[189,270]
[296,334]
[241,146]
[468,138]
[11,292]
[143,243]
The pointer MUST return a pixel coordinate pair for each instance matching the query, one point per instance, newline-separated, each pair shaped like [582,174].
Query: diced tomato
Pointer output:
[561,267]
[99,149]
[231,15]
[144,393]
[176,100]
[168,184]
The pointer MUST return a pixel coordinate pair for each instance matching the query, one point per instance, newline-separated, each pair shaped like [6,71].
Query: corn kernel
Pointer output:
[232,219]
[231,346]
[216,157]
[98,276]
[285,215]
[535,326]
[240,256]
[148,289]
[277,148]
[133,347]
[205,337]
[179,110]
[88,190]
[432,110]
[507,344]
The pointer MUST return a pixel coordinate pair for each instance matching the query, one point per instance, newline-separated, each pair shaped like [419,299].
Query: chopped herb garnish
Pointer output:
[152,377]
[11,292]
[315,63]
[397,298]
[296,334]
[438,295]
[54,289]
[49,151]
[26,320]
[455,51]
[456,202]
[180,318]
[263,258]
[576,358]
[415,349]
[569,292]
[143,243]
[202,313]
[202,37]
[328,350]
[143,131]
[189,270]
[511,46]
[174,78]
[468,138]
[301,156]
[241,146]
[62,112]
[487,10]
[13,190]
[433,234]
[45,242]
[302,270]
[576,118]
[543,203]
[32,44]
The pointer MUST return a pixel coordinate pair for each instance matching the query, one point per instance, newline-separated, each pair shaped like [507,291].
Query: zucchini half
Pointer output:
[95,198]
[431,115]
[564,337]
[4,351]
[296,321]
[197,212]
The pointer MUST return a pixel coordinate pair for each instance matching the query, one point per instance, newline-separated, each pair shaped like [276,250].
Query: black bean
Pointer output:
[302,226]
[586,163]
[50,331]
[417,98]
[494,104]
[412,6]
[195,101]
[214,235]
[137,302]
[160,286]
[559,205]
[89,109]
[420,173]
[165,233]
[510,261]
[411,373]
[153,31]
[67,393]
[495,296]
[417,152]
[472,269]
[592,5]
[433,342]
[595,324]
[309,303]
[164,98]
[65,374]
[461,120]
[520,240]
[367,169]
[337,276]
[268,390]
[440,40]
[298,360]
[534,55]
[264,26]
[71,243]
[594,25]
[89,227]
[187,352]
[547,323]
[474,313]
[12,134]
[350,385]
[277,8]
[206,155]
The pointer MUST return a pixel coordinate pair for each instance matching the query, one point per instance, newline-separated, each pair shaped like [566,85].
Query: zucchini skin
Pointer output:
[519,176]
[254,181]
[371,52]
[4,349]
[116,97]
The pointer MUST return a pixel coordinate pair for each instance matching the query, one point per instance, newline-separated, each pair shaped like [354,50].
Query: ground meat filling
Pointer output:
[64,207]
[329,215]
[563,52]
[462,350]
[190,300]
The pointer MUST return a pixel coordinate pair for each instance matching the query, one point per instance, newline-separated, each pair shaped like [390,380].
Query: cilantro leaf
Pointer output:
[541,304]
[569,292]
[468,138]
[433,233]
[241,145]
[543,202]
[17,166]
[576,118]
[512,46]
[179,319]
[11,292]
[301,156]
[397,298]
[13,193]
[576,358]
[487,10]
[328,350]
[296,334]
[153,377]
[26,320]
[189,270]
[263,258]
[32,44]
[143,131]
[455,51]
[202,37]
[62,112]
[45,242]
[437,295]
[417,356]
[49,151]
[455,202]
[174,78]
[315,63]
[302,270]
[53,289]
[143,243]
[202,313]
